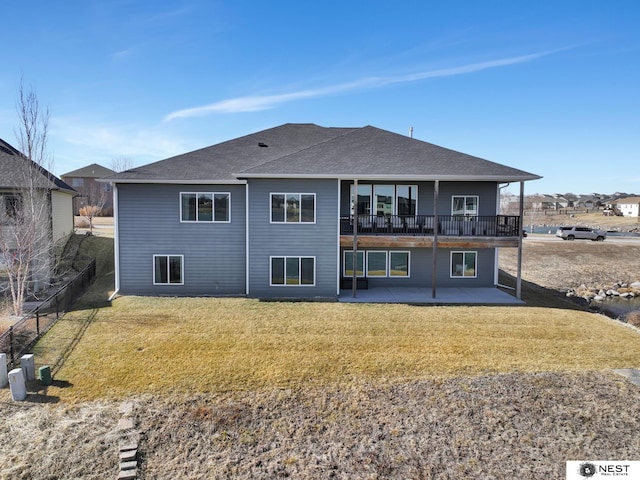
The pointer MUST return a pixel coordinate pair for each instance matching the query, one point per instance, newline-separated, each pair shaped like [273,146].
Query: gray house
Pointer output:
[279,213]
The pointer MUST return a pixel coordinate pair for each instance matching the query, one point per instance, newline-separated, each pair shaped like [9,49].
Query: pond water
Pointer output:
[616,307]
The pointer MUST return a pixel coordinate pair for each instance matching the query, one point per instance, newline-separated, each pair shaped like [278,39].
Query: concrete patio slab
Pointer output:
[423,296]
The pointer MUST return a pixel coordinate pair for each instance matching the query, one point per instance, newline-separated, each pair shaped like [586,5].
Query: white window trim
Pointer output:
[464,253]
[408,275]
[300,194]
[477,197]
[344,263]
[386,264]
[365,269]
[168,255]
[213,217]
[285,257]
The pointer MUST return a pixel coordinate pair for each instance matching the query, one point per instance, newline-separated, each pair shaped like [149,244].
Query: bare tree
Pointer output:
[26,241]
[121,164]
[509,203]
[90,212]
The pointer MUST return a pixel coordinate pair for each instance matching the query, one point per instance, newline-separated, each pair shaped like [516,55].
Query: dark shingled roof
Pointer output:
[307,150]
[90,171]
[12,168]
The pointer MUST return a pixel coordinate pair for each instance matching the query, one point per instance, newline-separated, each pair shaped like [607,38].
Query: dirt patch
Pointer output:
[561,265]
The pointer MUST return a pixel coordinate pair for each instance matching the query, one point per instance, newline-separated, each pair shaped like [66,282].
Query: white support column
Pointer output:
[116,239]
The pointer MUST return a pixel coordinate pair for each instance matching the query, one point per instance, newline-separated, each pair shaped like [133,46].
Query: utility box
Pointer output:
[44,373]
[4,379]
[28,364]
[18,385]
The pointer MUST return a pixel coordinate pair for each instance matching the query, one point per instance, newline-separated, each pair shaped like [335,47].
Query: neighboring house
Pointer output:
[271,215]
[629,207]
[56,193]
[560,201]
[90,191]
[586,201]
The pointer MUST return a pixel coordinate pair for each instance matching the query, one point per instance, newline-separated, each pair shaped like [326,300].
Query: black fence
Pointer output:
[425,225]
[25,332]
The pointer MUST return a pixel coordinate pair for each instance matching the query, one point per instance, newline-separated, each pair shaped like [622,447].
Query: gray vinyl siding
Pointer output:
[149,224]
[485,269]
[421,268]
[319,240]
[486,192]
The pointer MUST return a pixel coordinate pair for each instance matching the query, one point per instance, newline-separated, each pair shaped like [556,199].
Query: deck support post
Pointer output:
[434,273]
[354,258]
[520,227]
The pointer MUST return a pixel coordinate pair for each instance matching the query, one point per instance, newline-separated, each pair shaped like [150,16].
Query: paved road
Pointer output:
[539,237]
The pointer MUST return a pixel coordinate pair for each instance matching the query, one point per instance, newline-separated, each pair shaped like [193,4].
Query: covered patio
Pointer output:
[423,296]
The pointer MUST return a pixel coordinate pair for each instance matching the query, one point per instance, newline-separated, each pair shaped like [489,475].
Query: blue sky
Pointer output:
[550,87]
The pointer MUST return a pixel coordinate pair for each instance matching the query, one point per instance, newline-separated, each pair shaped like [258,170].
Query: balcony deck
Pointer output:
[419,231]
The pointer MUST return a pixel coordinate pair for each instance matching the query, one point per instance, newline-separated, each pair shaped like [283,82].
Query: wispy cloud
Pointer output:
[87,141]
[252,103]
[123,54]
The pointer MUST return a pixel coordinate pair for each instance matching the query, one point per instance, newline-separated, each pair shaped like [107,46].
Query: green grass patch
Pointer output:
[179,345]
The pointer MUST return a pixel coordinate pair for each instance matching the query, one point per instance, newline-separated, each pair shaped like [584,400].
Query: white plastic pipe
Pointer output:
[18,385]
[28,364]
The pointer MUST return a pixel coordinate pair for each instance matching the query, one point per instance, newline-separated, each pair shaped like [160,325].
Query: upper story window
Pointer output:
[12,205]
[386,199]
[205,207]
[293,208]
[77,182]
[464,205]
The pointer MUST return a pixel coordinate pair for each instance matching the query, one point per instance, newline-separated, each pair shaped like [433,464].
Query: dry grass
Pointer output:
[594,219]
[561,265]
[47,442]
[507,426]
[503,427]
[633,318]
[162,345]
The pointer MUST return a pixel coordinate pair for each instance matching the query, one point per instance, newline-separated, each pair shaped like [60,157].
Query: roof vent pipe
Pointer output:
[411,132]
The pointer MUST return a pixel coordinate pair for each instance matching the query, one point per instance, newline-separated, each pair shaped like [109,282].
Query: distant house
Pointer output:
[90,191]
[629,207]
[586,201]
[16,171]
[279,213]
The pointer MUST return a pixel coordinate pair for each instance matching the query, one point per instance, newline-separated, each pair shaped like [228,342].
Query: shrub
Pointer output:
[81,222]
